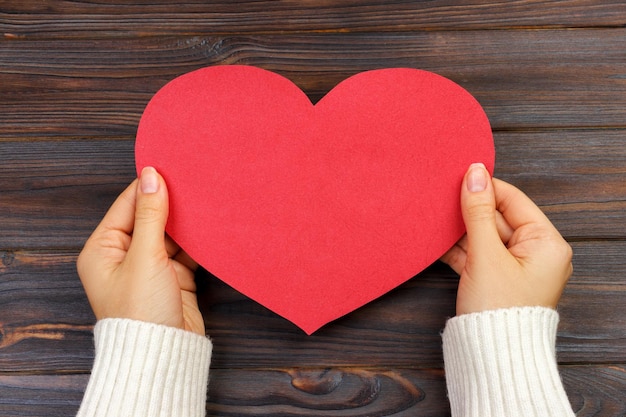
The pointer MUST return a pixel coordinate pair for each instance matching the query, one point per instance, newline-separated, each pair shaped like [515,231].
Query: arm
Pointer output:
[152,357]
[499,350]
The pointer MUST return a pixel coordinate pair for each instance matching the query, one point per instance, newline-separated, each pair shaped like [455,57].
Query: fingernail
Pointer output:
[149,181]
[477,178]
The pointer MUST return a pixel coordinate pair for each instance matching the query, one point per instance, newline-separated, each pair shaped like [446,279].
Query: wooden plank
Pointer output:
[596,391]
[326,392]
[87,19]
[41,395]
[524,79]
[594,304]
[577,177]
[54,192]
[593,391]
[43,309]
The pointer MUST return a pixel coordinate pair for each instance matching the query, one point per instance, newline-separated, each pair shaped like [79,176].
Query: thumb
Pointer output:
[152,209]
[478,205]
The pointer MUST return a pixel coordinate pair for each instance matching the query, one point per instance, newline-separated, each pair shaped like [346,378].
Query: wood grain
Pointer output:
[593,391]
[75,77]
[524,79]
[88,19]
[54,193]
[41,395]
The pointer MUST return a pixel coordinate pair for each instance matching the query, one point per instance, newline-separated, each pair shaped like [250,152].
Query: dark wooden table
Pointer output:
[76,75]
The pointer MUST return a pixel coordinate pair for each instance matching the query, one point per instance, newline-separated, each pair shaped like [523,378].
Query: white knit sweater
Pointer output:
[144,369]
[503,363]
[498,363]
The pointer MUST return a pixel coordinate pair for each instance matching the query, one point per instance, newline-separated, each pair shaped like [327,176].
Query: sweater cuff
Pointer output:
[145,369]
[503,363]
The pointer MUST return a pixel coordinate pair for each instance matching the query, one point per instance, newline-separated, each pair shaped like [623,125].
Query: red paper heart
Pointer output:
[313,210]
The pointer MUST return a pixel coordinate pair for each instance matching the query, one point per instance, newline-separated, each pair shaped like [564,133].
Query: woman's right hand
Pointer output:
[511,255]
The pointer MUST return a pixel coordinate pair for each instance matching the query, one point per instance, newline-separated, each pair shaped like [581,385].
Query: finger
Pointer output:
[176,253]
[121,214]
[186,277]
[171,246]
[183,258]
[462,243]
[455,258]
[504,228]
[516,207]
[505,231]
[478,205]
[151,213]
[457,255]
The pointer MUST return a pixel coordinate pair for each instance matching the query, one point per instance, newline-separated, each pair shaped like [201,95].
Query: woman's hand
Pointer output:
[512,255]
[131,269]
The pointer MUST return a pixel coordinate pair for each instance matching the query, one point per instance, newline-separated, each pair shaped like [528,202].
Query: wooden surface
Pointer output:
[76,75]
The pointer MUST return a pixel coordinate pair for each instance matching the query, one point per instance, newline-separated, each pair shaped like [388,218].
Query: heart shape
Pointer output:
[313,210]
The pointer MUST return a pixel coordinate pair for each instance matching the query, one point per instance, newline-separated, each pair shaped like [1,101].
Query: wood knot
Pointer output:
[334,388]
[317,382]
[7,258]
[353,388]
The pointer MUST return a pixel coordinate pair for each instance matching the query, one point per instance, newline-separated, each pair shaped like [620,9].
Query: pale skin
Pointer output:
[131,269]
[511,255]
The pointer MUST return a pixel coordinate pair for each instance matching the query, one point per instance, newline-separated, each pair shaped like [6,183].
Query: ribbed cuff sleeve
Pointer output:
[145,369]
[503,363]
